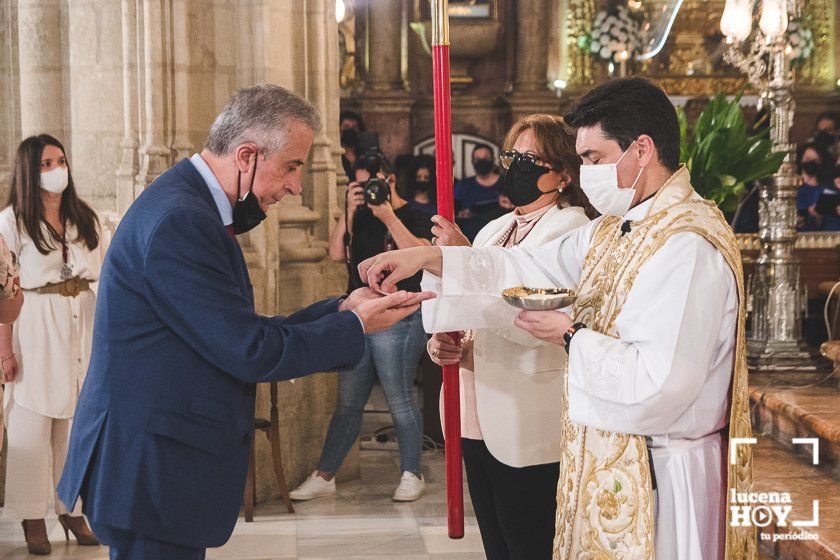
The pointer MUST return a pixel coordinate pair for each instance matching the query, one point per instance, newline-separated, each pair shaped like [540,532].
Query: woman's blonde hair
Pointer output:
[555,143]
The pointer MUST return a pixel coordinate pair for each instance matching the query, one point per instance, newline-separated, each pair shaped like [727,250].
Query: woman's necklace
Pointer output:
[511,232]
[66,269]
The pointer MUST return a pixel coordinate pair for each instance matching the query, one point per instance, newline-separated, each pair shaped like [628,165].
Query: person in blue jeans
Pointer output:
[392,356]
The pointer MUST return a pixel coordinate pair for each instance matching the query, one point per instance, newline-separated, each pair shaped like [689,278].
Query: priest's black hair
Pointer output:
[626,108]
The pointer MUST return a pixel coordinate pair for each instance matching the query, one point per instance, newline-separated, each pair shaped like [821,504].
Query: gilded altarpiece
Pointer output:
[691,61]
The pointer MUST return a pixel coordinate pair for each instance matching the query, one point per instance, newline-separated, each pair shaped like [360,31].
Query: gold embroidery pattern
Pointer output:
[605,501]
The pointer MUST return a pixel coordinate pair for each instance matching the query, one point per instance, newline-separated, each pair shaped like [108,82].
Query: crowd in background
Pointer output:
[818,161]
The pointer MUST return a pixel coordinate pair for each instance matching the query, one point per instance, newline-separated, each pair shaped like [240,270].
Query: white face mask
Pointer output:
[55,181]
[600,184]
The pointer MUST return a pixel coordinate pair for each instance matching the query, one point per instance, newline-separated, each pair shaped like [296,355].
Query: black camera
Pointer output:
[377,191]
[370,156]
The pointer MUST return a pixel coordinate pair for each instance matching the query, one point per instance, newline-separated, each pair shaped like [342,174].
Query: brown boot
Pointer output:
[35,532]
[78,526]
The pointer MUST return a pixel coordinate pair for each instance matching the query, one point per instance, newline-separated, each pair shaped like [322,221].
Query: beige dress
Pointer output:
[53,335]
[52,338]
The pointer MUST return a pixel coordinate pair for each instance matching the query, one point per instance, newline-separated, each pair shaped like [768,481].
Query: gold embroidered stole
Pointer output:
[604,495]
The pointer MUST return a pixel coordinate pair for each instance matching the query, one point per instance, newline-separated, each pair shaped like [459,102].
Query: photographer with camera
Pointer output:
[376,219]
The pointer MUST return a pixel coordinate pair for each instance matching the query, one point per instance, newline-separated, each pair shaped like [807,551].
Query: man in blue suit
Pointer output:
[161,436]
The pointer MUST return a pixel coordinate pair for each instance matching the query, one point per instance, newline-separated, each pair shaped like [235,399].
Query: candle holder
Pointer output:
[775,297]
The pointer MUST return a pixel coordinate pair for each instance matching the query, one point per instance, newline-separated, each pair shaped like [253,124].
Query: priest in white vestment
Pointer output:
[652,339]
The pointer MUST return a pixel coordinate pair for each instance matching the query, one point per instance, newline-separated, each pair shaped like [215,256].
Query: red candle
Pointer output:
[446,208]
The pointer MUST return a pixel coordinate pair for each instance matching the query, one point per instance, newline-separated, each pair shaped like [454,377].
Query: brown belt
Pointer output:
[68,288]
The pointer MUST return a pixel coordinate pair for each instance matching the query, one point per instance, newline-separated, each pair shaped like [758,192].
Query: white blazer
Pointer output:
[518,379]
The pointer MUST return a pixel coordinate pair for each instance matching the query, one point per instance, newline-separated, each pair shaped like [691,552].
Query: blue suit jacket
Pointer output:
[161,435]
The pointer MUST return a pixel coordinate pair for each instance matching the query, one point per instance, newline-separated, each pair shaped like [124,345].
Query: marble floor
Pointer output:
[360,523]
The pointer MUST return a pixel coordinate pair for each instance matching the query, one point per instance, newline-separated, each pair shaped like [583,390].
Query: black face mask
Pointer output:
[483,166]
[520,187]
[824,138]
[350,138]
[422,186]
[247,213]
[812,168]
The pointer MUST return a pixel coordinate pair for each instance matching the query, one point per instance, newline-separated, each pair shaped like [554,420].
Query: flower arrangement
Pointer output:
[801,41]
[615,35]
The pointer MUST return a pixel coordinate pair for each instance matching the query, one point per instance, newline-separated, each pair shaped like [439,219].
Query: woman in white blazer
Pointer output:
[511,381]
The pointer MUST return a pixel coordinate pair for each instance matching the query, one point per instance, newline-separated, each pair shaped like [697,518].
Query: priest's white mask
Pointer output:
[55,181]
[600,184]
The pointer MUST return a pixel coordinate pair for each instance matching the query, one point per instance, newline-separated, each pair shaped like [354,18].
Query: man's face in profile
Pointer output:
[280,174]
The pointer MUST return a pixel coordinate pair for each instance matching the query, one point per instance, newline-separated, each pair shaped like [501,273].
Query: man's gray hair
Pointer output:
[261,114]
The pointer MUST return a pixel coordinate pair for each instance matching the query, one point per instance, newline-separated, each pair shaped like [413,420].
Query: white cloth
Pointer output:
[517,377]
[666,377]
[36,455]
[53,335]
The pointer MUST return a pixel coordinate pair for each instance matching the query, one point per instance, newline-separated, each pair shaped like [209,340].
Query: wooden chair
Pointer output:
[271,429]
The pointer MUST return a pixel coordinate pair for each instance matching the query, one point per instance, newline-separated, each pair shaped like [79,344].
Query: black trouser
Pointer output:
[515,507]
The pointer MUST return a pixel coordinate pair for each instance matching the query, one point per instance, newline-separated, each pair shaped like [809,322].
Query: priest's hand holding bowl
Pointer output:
[545,325]
[383,271]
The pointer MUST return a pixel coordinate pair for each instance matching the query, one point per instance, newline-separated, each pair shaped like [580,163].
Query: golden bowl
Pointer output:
[539,299]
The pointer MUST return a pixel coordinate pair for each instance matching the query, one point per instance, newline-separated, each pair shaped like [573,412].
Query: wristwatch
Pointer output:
[567,336]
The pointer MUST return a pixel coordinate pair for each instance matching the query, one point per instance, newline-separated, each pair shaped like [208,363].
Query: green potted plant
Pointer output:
[721,156]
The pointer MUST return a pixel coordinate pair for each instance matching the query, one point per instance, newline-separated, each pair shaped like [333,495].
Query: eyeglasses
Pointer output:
[525,162]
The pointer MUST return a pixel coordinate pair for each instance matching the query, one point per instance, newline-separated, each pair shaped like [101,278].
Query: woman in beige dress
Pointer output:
[58,241]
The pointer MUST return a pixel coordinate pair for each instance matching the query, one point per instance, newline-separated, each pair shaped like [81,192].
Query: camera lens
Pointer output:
[376,191]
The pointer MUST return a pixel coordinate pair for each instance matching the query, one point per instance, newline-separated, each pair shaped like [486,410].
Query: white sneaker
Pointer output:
[410,488]
[313,487]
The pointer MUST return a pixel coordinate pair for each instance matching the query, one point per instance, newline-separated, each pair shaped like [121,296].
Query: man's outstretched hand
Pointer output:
[358,297]
[379,313]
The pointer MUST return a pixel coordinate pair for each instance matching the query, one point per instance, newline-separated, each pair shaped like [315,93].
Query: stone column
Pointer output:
[42,57]
[156,106]
[95,102]
[10,92]
[129,165]
[181,146]
[384,19]
[386,106]
[530,86]
[531,45]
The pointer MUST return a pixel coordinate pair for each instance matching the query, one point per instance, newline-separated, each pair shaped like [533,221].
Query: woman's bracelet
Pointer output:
[9,357]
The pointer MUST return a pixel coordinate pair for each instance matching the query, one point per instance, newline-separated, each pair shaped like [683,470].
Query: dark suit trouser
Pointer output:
[125,545]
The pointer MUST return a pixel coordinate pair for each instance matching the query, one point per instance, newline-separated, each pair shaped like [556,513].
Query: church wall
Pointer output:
[514,77]
[134,86]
